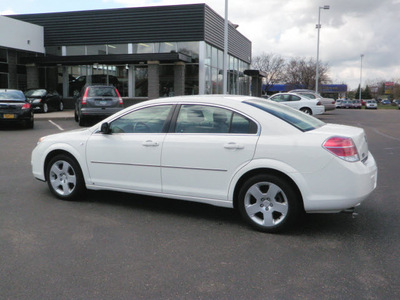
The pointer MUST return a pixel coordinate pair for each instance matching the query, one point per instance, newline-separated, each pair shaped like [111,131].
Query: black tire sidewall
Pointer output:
[80,184]
[291,195]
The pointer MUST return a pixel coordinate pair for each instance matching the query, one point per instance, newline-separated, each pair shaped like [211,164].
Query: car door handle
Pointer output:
[150,143]
[233,146]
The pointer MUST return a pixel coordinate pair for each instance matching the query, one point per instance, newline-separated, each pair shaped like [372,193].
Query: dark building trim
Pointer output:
[108,59]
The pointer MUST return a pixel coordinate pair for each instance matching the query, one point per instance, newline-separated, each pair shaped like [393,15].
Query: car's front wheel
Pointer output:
[64,177]
[268,203]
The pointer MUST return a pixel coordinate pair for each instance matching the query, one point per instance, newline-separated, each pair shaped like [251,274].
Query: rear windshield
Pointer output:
[101,91]
[294,117]
[12,95]
[35,93]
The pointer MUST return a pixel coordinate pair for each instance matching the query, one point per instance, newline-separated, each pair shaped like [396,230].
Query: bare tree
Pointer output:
[300,72]
[271,64]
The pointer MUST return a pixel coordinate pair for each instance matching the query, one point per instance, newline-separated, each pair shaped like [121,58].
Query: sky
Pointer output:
[349,29]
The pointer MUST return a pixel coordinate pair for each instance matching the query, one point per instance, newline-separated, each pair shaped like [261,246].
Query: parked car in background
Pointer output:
[328,103]
[304,104]
[371,104]
[76,85]
[43,100]
[347,104]
[97,102]
[356,104]
[14,108]
[386,102]
[231,151]
[338,103]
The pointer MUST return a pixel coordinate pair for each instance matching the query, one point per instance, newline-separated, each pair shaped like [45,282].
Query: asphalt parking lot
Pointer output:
[119,246]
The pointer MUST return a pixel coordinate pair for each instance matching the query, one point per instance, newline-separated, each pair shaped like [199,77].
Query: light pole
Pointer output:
[225,77]
[362,55]
[318,26]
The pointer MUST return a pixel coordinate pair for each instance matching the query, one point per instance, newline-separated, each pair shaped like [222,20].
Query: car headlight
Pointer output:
[37,101]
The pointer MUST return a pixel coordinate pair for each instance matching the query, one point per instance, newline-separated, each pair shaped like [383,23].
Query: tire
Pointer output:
[29,124]
[61,106]
[64,178]
[45,108]
[76,116]
[268,203]
[306,110]
[81,120]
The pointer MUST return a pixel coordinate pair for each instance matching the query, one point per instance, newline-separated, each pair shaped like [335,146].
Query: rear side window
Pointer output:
[102,92]
[211,119]
[12,95]
[294,117]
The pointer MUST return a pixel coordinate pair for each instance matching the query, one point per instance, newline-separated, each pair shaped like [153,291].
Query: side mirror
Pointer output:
[105,128]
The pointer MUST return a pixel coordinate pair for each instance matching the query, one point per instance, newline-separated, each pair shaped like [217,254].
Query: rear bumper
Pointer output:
[24,115]
[100,112]
[353,183]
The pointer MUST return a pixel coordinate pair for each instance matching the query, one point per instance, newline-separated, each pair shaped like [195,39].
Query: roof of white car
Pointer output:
[203,99]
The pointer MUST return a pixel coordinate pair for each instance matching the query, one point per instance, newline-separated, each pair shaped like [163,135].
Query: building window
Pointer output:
[96,50]
[75,50]
[54,50]
[3,55]
[144,48]
[141,81]
[3,80]
[117,48]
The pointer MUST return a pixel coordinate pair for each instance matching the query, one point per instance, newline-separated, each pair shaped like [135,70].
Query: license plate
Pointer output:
[8,116]
[102,103]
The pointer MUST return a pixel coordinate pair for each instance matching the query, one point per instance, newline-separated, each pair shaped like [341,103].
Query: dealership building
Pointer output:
[146,52]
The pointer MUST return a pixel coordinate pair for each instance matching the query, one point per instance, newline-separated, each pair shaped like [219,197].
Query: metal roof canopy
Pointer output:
[107,59]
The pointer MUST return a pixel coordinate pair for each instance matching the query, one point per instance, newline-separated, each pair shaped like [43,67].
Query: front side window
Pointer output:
[146,120]
[210,119]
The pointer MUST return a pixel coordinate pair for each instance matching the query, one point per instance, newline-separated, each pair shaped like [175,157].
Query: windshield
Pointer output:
[35,93]
[12,95]
[294,117]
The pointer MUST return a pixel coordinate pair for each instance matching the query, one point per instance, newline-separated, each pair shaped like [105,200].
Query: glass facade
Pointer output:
[238,83]
[135,83]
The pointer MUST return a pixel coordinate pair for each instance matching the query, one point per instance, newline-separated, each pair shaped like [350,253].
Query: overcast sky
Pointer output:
[287,27]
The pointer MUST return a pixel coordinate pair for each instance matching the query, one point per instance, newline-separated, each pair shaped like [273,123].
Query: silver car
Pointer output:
[97,102]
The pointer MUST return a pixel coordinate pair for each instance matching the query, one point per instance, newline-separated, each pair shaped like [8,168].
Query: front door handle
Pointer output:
[233,146]
[150,143]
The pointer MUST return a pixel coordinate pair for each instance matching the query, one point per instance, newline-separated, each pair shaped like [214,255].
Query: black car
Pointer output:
[14,108]
[97,102]
[43,100]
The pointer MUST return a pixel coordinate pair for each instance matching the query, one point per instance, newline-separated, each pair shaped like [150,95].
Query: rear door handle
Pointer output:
[150,143]
[233,146]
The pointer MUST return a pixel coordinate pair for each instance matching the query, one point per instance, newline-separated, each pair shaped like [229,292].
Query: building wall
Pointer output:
[21,35]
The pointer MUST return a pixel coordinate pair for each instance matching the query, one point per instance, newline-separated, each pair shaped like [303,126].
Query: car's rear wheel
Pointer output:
[268,203]
[81,120]
[306,110]
[64,178]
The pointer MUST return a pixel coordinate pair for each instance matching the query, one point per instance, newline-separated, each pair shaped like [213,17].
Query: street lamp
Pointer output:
[318,26]
[362,55]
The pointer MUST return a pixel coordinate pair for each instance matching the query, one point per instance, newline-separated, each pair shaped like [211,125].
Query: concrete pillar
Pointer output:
[256,86]
[179,78]
[12,70]
[32,74]
[153,79]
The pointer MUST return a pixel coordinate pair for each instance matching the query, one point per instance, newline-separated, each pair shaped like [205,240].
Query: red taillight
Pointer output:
[26,106]
[121,102]
[319,103]
[84,99]
[342,147]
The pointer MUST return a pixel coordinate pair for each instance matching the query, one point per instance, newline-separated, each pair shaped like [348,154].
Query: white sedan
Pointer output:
[269,161]
[304,104]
